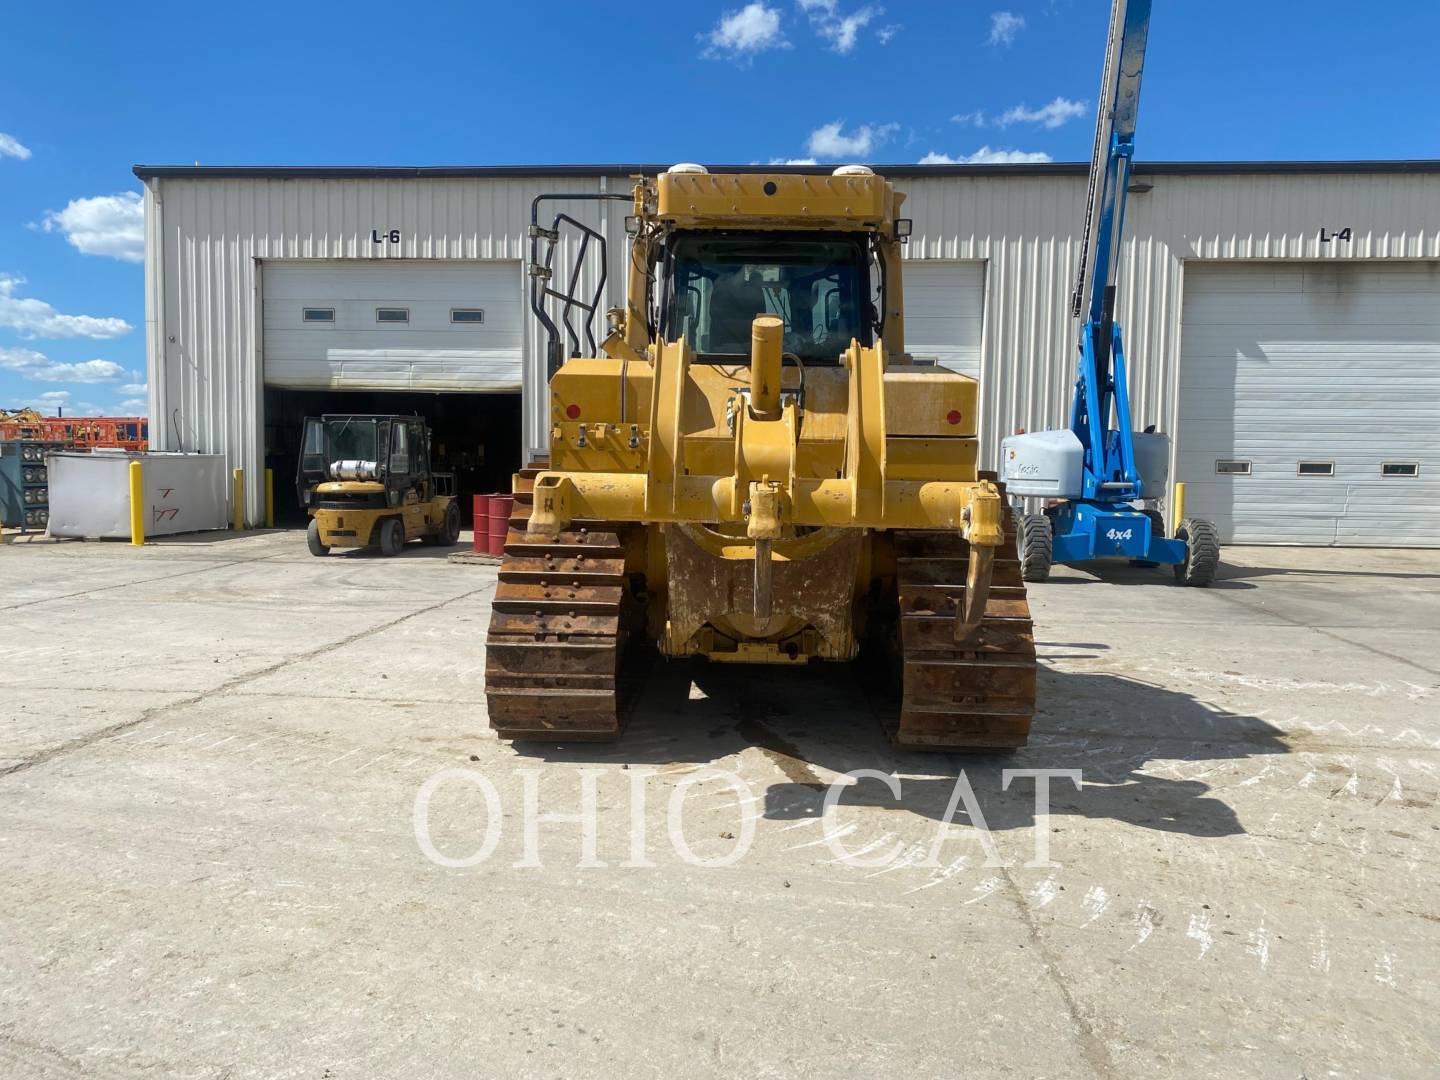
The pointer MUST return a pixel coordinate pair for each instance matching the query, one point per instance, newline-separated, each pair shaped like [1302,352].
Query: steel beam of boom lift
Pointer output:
[1096,474]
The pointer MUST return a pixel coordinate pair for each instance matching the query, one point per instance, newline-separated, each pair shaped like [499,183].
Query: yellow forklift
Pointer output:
[366,481]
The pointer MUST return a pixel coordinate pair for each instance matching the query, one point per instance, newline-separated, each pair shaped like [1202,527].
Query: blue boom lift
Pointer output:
[1094,476]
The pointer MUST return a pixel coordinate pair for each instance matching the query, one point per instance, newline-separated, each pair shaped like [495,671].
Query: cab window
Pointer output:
[817,285]
[312,447]
[400,450]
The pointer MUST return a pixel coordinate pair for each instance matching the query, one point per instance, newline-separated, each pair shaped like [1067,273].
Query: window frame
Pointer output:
[305,312]
[468,322]
[1329,467]
[1413,466]
[1248,469]
[392,322]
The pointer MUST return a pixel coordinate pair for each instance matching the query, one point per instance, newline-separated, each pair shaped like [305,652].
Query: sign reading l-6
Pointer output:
[391,236]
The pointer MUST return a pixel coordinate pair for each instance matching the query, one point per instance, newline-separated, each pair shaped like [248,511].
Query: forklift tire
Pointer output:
[1036,545]
[450,532]
[1202,552]
[392,536]
[312,539]
[1157,530]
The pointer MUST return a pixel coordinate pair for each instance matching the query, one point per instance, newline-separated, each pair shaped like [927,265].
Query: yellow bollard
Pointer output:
[238,501]
[269,498]
[137,504]
[1179,508]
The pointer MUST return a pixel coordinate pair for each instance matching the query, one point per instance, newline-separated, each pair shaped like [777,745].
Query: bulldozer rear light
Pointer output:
[953,416]
[902,227]
[632,224]
[572,411]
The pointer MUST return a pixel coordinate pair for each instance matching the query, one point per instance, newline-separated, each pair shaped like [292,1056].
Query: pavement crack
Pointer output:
[139,581]
[1325,633]
[1092,1046]
[230,686]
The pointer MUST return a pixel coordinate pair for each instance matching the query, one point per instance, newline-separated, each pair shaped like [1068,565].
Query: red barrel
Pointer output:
[499,522]
[480,510]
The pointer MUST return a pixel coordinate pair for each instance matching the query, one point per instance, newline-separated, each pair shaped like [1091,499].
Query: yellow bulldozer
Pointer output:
[751,469]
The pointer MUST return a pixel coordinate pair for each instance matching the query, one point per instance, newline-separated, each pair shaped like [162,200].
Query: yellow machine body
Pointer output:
[737,502]
[741,454]
[356,528]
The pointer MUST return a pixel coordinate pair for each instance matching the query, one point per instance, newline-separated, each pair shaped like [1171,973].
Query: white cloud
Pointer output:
[831,141]
[841,31]
[34,318]
[87,408]
[1004,25]
[986,156]
[741,34]
[112,225]
[13,147]
[1052,115]
[135,388]
[36,365]
[885,33]
[976,118]
[132,406]
[51,401]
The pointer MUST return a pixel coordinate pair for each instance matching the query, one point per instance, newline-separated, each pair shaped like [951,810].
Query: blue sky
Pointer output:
[87,90]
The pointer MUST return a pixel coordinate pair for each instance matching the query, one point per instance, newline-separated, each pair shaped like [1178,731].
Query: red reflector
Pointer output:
[953,416]
[572,411]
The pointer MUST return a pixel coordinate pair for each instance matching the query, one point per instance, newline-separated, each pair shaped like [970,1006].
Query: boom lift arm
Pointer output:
[1091,471]
[1110,463]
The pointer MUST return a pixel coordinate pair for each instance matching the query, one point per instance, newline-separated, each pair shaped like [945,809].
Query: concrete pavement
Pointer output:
[212,750]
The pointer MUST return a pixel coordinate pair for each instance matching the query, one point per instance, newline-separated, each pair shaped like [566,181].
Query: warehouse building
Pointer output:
[1282,319]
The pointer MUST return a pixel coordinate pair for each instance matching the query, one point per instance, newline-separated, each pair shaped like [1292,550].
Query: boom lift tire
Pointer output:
[1037,539]
[1202,552]
[312,539]
[392,536]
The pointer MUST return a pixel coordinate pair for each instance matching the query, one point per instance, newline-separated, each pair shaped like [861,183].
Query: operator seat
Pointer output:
[734,303]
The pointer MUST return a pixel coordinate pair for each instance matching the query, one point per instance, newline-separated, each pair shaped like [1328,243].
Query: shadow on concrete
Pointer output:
[814,722]
[1119,572]
[1116,572]
[1235,573]
[412,549]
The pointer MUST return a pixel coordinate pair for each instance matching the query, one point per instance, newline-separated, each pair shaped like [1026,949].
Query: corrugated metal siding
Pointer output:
[203,337]
[1026,228]
[203,294]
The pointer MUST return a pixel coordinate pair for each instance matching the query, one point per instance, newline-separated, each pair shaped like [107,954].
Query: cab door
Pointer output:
[402,477]
[310,468]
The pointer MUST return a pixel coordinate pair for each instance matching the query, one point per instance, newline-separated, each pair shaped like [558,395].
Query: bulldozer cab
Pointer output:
[818,284]
[390,451]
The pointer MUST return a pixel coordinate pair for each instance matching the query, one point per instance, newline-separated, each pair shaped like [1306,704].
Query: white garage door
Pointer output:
[944,303]
[392,325]
[1310,402]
